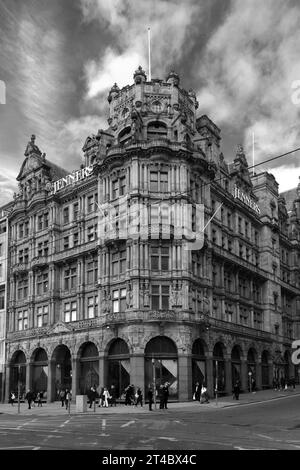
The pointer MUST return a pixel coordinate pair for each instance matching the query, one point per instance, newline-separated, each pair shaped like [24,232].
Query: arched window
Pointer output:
[125,136]
[157,130]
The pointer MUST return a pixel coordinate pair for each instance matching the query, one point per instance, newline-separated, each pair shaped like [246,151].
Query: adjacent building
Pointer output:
[155,261]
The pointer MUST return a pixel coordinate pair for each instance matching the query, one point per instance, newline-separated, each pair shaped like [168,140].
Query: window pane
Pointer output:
[154,263]
[155,302]
[165,302]
[123,293]
[115,294]
[115,306]
[155,289]
[165,263]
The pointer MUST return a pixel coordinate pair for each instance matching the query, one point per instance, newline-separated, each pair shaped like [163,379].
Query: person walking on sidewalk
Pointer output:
[12,398]
[166,395]
[29,398]
[106,397]
[150,398]
[139,397]
[68,398]
[39,398]
[62,397]
[236,389]
[113,396]
[204,395]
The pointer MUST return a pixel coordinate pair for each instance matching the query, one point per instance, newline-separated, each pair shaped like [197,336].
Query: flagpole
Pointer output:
[149,54]
[253,153]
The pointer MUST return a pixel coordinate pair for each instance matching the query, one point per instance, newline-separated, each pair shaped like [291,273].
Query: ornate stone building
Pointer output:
[109,280]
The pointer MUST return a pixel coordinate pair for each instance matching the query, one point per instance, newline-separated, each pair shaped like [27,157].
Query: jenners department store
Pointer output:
[121,309]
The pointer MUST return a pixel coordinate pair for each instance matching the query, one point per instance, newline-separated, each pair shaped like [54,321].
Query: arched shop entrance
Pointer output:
[236,364]
[89,367]
[219,367]
[251,366]
[265,376]
[40,371]
[198,363]
[62,376]
[161,364]
[18,374]
[118,366]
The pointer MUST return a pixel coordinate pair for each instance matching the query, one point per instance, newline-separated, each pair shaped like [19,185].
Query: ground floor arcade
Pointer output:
[78,363]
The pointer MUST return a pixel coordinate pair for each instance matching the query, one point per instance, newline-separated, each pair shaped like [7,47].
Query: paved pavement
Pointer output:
[55,409]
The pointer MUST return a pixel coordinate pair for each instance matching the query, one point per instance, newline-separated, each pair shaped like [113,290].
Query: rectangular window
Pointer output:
[92,233]
[75,210]
[22,320]
[92,304]
[119,300]
[21,230]
[91,203]
[22,287]
[154,181]
[163,182]
[40,222]
[92,271]
[2,297]
[70,278]
[122,185]
[75,239]
[119,262]
[66,243]
[66,216]
[26,229]
[70,311]
[40,249]
[160,297]
[115,189]
[42,316]
[42,283]
[159,258]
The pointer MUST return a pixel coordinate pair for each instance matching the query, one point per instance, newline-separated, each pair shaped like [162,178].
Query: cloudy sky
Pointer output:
[58,60]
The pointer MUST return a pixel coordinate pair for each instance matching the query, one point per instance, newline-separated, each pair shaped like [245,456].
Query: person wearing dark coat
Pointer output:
[92,396]
[236,389]
[113,395]
[29,397]
[166,395]
[161,397]
[197,391]
[150,398]
[139,398]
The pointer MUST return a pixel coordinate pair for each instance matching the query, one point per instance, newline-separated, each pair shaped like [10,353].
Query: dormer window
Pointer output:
[156,106]
[157,130]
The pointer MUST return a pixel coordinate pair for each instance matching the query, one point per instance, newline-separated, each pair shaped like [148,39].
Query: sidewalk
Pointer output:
[55,409]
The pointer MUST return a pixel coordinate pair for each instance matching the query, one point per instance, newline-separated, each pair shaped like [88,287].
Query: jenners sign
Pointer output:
[72,178]
[238,194]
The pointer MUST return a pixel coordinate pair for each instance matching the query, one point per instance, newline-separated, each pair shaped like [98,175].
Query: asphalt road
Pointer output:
[269,425]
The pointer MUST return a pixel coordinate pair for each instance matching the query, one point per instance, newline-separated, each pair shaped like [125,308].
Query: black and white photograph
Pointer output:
[149,229]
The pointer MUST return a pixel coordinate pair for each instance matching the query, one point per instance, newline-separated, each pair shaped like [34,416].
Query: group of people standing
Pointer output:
[31,397]
[200,393]
[65,397]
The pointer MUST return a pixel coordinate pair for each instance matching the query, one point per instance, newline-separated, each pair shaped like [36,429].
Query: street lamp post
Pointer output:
[216,389]
[250,381]
[154,381]
[19,376]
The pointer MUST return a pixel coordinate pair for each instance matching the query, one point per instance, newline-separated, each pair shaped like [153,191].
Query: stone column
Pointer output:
[185,391]
[75,377]
[28,376]
[7,382]
[258,375]
[137,370]
[244,375]
[50,389]
[102,371]
[210,376]
[228,376]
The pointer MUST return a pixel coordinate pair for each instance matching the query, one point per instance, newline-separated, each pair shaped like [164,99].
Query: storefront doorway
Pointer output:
[40,371]
[89,367]
[161,365]
[198,363]
[62,369]
[18,374]
[118,373]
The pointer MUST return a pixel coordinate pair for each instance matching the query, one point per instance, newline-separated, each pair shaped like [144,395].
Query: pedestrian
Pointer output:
[204,395]
[12,398]
[68,398]
[161,397]
[236,389]
[106,396]
[29,398]
[39,398]
[34,395]
[113,394]
[92,396]
[139,397]
[196,395]
[150,398]
[128,395]
[101,397]
[62,397]
[282,383]
[166,395]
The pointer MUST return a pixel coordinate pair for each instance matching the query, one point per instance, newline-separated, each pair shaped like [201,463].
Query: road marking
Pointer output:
[103,429]
[16,447]
[127,424]
[266,437]
[168,438]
